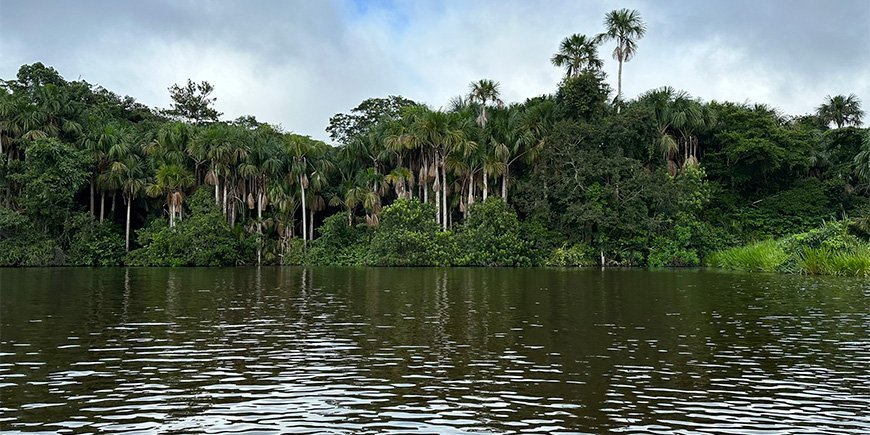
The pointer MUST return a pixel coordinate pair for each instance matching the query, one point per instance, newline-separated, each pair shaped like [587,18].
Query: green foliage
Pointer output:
[572,256]
[766,256]
[825,261]
[491,237]
[408,235]
[831,249]
[22,244]
[54,172]
[205,239]
[339,244]
[583,97]
[95,244]
[663,180]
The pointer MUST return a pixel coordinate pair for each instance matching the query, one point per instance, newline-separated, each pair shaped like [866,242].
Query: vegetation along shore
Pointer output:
[579,177]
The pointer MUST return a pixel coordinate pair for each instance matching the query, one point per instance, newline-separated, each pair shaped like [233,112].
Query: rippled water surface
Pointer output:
[288,350]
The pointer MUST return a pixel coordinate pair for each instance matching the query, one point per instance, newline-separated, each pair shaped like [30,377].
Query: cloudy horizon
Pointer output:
[298,63]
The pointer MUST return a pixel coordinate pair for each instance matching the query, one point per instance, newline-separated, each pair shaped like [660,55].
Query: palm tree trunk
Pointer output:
[311,224]
[217,189]
[259,227]
[304,215]
[171,215]
[93,214]
[504,183]
[444,196]
[127,231]
[112,210]
[102,205]
[485,185]
[470,200]
[224,208]
[437,189]
[619,83]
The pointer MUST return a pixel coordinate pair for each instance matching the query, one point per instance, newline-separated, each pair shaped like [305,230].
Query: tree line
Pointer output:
[580,176]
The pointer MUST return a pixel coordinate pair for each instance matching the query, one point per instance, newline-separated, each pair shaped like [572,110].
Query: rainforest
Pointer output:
[577,177]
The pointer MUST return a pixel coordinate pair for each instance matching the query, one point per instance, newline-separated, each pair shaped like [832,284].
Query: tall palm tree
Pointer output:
[841,110]
[171,180]
[131,171]
[577,54]
[626,27]
[484,92]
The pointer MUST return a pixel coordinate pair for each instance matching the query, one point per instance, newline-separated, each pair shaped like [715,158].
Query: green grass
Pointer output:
[823,261]
[766,256]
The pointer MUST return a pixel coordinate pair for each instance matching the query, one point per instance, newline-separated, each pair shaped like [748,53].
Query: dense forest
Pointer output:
[581,176]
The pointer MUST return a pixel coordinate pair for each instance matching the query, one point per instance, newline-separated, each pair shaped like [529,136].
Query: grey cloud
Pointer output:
[297,63]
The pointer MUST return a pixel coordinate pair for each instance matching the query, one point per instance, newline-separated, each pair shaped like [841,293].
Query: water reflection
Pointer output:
[440,350]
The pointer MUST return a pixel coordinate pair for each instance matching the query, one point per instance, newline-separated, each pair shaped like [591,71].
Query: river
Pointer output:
[366,350]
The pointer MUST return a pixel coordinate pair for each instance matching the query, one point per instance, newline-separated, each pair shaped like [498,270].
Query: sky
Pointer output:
[297,63]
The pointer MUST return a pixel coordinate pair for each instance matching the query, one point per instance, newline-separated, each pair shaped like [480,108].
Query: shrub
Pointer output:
[339,244]
[94,243]
[22,244]
[408,235]
[205,239]
[572,256]
[490,236]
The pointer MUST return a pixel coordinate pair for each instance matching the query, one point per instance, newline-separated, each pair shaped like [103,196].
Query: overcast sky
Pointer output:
[296,63]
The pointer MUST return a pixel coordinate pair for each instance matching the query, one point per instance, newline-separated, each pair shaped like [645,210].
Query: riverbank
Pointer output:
[833,249]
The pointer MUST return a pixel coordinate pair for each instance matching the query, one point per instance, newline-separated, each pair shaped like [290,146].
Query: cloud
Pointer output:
[298,63]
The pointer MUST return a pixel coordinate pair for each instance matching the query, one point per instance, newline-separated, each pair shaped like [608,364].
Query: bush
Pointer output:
[22,244]
[572,256]
[339,244]
[490,236]
[94,244]
[205,239]
[408,235]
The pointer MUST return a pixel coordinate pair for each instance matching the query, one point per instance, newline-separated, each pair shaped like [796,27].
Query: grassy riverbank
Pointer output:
[837,248]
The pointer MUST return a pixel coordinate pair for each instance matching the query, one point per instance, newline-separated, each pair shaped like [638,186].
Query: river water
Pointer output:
[291,350]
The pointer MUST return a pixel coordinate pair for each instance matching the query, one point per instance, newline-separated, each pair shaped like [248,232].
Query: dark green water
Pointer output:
[431,350]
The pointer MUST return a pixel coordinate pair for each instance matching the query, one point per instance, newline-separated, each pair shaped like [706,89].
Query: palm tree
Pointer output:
[306,164]
[841,110]
[171,180]
[131,171]
[680,118]
[577,54]
[626,27]
[483,92]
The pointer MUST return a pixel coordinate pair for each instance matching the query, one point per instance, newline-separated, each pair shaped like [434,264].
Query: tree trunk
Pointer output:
[470,200]
[102,205]
[224,208]
[444,195]
[485,185]
[217,188]
[112,210]
[311,224]
[171,215]
[259,228]
[504,182]
[304,215]
[619,82]
[436,189]
[127,232]
[93,212]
